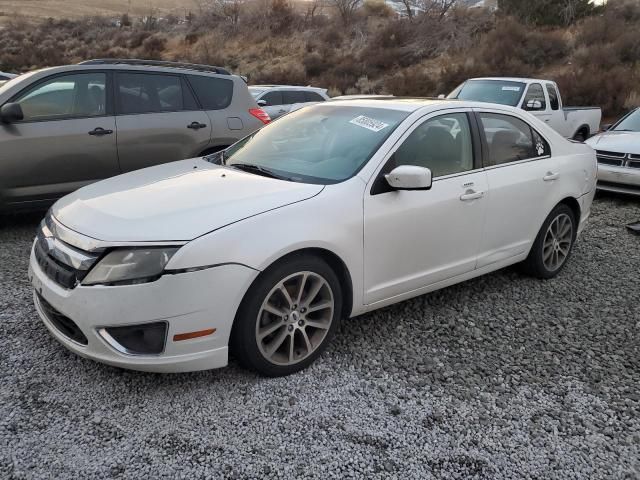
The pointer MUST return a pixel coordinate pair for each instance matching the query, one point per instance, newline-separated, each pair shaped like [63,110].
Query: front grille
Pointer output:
[635,164]
[64,275]
[609,161]
[634,156]
[63,324]
[602,153]
[627,187]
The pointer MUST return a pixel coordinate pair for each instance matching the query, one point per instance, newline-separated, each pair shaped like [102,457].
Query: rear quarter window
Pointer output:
[213,93]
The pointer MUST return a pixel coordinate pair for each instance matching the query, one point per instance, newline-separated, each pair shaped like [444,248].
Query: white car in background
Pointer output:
[618,152]
[7,76]
[278,100]
[335,210]
[541,98]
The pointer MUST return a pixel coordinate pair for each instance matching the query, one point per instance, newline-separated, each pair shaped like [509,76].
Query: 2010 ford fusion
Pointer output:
[330,212]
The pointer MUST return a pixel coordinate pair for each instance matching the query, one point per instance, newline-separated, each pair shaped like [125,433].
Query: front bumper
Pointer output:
[188,302]
[619,179]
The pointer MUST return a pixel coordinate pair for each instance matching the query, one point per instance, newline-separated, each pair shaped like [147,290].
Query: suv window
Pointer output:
[534,93]
[553,96]
[272,98]
[293,96]
[442,144]
[66,96]
[313,97]
[213,93]
[509,139]
[149,93]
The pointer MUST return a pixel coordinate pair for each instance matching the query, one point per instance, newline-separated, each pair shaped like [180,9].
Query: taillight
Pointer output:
[260,114]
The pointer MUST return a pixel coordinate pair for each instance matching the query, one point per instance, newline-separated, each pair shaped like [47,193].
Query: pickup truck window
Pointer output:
[534,100]
[553,96]
[492,91]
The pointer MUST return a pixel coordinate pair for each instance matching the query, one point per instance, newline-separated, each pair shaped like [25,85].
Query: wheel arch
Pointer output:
[574,205]
[583,128]
[337,265]
[210,150]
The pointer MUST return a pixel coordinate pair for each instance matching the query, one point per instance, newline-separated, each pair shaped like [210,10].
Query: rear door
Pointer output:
[522,178]
[275,105]
[158,120]
[66,140]
[556,119]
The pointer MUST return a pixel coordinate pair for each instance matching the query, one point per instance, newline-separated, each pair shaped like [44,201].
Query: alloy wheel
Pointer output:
[557,242]
[294,318]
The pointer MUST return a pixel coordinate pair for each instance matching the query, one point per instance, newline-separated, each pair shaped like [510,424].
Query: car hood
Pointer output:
[176,201]
[619,142]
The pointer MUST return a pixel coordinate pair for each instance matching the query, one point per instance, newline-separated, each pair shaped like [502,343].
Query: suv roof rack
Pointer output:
[156,63]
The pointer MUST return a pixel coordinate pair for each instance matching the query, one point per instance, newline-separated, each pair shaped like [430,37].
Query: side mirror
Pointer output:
[606,127]
[533,105]
[11,112]
[262,103]
[409,177]
[441,96]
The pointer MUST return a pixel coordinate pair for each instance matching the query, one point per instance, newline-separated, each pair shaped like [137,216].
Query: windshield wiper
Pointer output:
[258,170]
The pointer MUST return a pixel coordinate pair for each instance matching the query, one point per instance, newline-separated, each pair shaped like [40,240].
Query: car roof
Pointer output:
[299,87]
[131,67]
[514,79]
[412,104]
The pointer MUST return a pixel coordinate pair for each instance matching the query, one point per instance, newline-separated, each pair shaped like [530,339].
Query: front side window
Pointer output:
[146,93]
[272,98]
[293,96]
[534,100]
[321,144]
[441,144]
[214,93]
[554,100]
[491,91]
[510,139]
[66,96]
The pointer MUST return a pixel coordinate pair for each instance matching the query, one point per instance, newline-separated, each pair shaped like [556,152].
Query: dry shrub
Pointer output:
[412,81]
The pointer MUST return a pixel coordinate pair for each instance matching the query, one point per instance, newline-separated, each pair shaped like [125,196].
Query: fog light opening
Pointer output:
[141,339]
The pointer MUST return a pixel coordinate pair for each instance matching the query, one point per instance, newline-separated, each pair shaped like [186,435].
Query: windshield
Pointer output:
[491,91]
[630,123]
[321,144]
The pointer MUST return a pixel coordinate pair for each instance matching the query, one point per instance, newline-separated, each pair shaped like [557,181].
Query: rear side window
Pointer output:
[293,96]
[313,97]
[66,96]
[213,93]
[534,100]
[509,139]
[146,93]
[553,96]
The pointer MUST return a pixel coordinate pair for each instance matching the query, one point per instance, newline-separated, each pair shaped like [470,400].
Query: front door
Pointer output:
[158,120]
[413,239]
[66,140]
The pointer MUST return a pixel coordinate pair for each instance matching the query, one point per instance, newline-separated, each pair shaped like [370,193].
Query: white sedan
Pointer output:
[618,151]
[330,212]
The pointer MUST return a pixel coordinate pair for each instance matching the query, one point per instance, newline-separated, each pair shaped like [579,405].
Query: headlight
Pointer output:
[130,266]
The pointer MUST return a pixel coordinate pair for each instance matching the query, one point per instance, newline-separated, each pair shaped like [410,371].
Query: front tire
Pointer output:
[287,317]
[553,245]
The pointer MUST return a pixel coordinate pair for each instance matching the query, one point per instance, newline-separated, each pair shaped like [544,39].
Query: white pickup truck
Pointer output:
[539,97]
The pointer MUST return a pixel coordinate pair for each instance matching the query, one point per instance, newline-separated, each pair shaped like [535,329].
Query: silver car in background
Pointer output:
[64,127]
[278,100]
[618,151]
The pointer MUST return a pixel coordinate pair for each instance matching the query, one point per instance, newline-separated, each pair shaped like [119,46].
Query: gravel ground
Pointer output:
[500,377]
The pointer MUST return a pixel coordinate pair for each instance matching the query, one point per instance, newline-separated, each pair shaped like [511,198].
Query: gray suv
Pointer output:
[64,127]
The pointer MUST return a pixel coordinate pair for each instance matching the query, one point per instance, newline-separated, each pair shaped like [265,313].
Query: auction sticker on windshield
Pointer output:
[369,123]
[510,89]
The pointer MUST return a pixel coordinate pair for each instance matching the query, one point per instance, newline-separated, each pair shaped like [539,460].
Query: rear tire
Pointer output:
[287,317]
[553,245]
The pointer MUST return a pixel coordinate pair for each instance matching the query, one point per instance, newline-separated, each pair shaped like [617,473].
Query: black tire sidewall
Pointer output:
[535,259]
[243,342]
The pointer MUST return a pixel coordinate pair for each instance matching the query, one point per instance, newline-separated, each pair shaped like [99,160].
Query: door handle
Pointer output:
[470,195]
[99,131]
[196,125]
[551,176]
